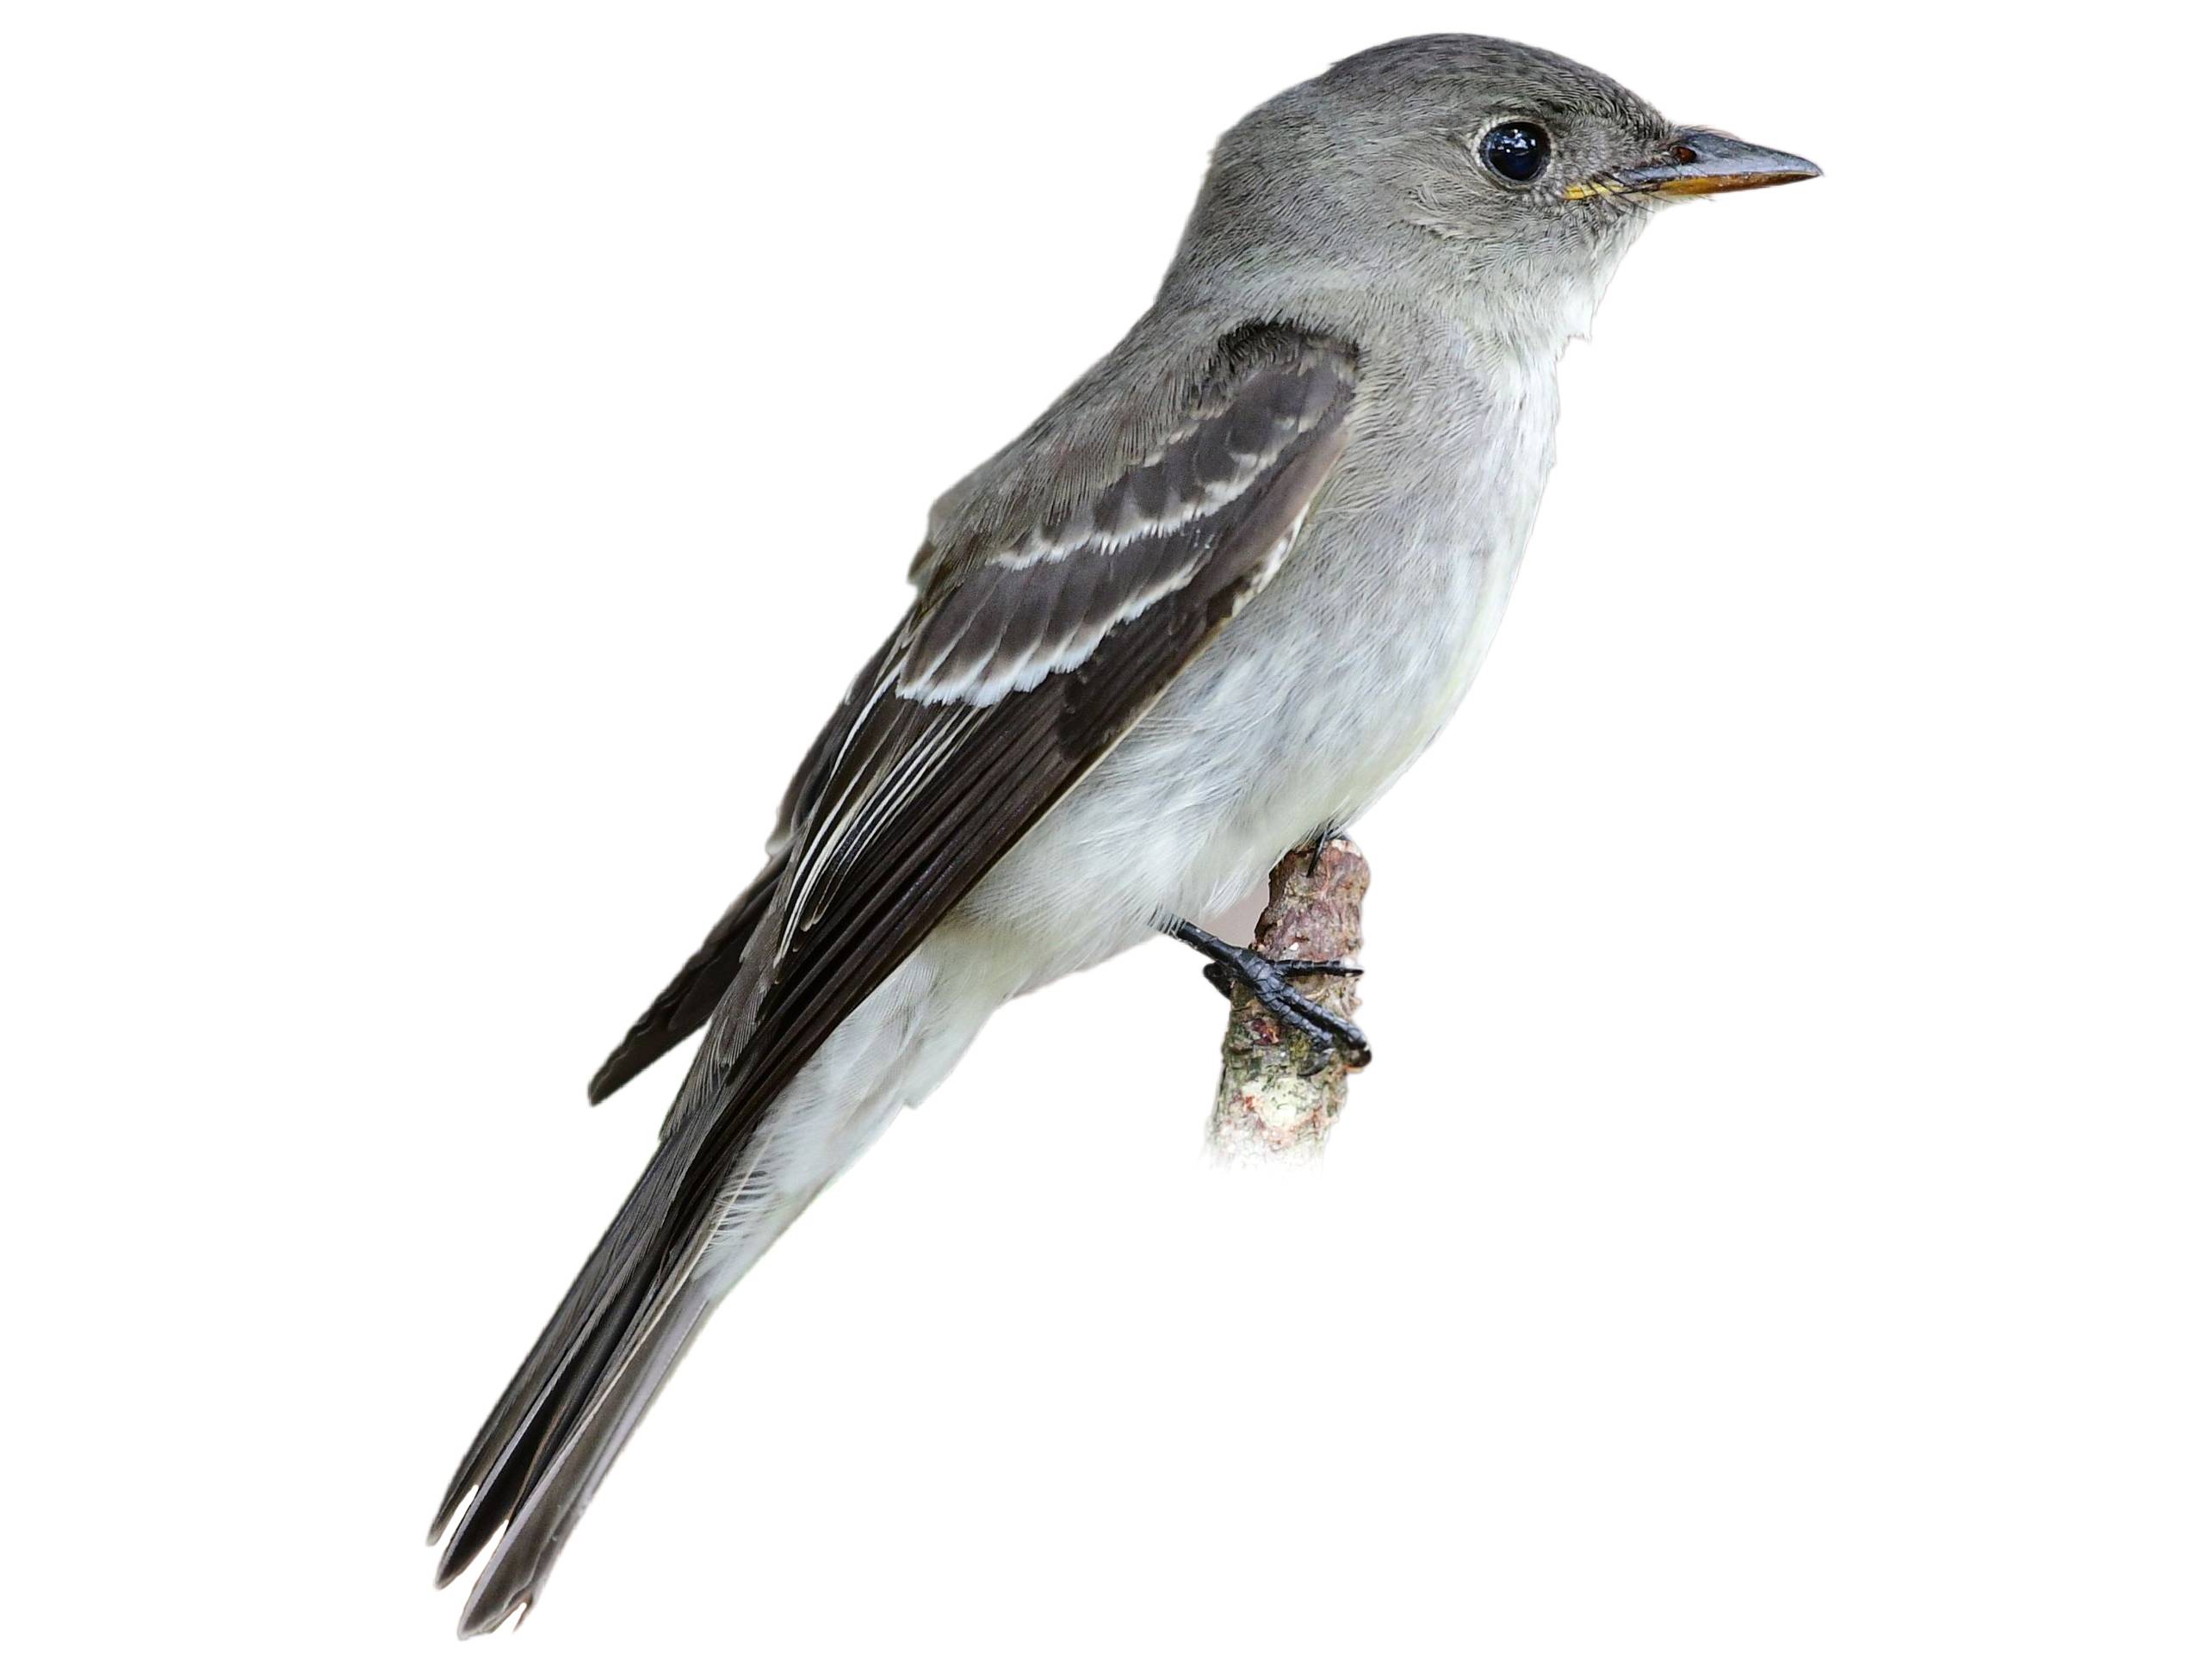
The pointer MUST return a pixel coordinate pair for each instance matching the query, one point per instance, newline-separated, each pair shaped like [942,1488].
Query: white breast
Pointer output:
[1318,697]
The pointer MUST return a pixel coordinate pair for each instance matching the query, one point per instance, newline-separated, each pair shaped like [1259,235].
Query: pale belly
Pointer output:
[1308,707]
[1303,713]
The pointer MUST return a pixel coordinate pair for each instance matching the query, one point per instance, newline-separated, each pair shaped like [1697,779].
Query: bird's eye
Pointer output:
[1516,150]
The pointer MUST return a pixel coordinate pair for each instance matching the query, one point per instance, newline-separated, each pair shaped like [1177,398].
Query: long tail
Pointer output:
[644,1293]
[560,1485]
[573,1402]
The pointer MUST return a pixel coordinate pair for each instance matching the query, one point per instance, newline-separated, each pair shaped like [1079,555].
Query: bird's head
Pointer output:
[1473,160]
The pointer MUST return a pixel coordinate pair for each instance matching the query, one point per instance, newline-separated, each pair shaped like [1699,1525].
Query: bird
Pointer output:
[1201,612]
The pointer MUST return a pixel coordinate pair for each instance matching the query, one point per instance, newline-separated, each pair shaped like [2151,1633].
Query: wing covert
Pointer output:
[1030,648]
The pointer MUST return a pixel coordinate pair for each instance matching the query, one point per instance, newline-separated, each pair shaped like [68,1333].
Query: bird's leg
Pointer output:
[1269,982]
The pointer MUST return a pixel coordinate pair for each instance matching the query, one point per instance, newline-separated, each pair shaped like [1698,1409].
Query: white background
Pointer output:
[453,454]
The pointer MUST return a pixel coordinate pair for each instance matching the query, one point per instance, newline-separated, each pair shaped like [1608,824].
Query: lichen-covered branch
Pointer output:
[1268,1109]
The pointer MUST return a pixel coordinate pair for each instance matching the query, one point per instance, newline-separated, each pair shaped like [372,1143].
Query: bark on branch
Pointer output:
[1268,1110]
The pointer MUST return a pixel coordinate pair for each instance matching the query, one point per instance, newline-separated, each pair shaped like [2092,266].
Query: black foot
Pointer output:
[1269,981]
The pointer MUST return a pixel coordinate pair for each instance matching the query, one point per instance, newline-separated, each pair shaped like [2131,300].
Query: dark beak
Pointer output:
[1702,163]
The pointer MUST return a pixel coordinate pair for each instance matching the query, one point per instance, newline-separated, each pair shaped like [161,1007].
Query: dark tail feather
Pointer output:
[532,1428]
[562,1485]
[599,1327]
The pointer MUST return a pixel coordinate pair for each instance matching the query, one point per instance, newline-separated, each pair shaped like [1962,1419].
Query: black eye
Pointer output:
[1517,151]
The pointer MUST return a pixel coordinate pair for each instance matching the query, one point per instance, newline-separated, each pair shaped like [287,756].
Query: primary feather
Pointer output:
[1018,669]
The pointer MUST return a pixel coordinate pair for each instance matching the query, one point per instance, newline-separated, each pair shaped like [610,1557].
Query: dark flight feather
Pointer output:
[960,736]
[691,997]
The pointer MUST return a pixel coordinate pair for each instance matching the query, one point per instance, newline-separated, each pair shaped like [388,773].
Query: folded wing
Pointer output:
[1027,655]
